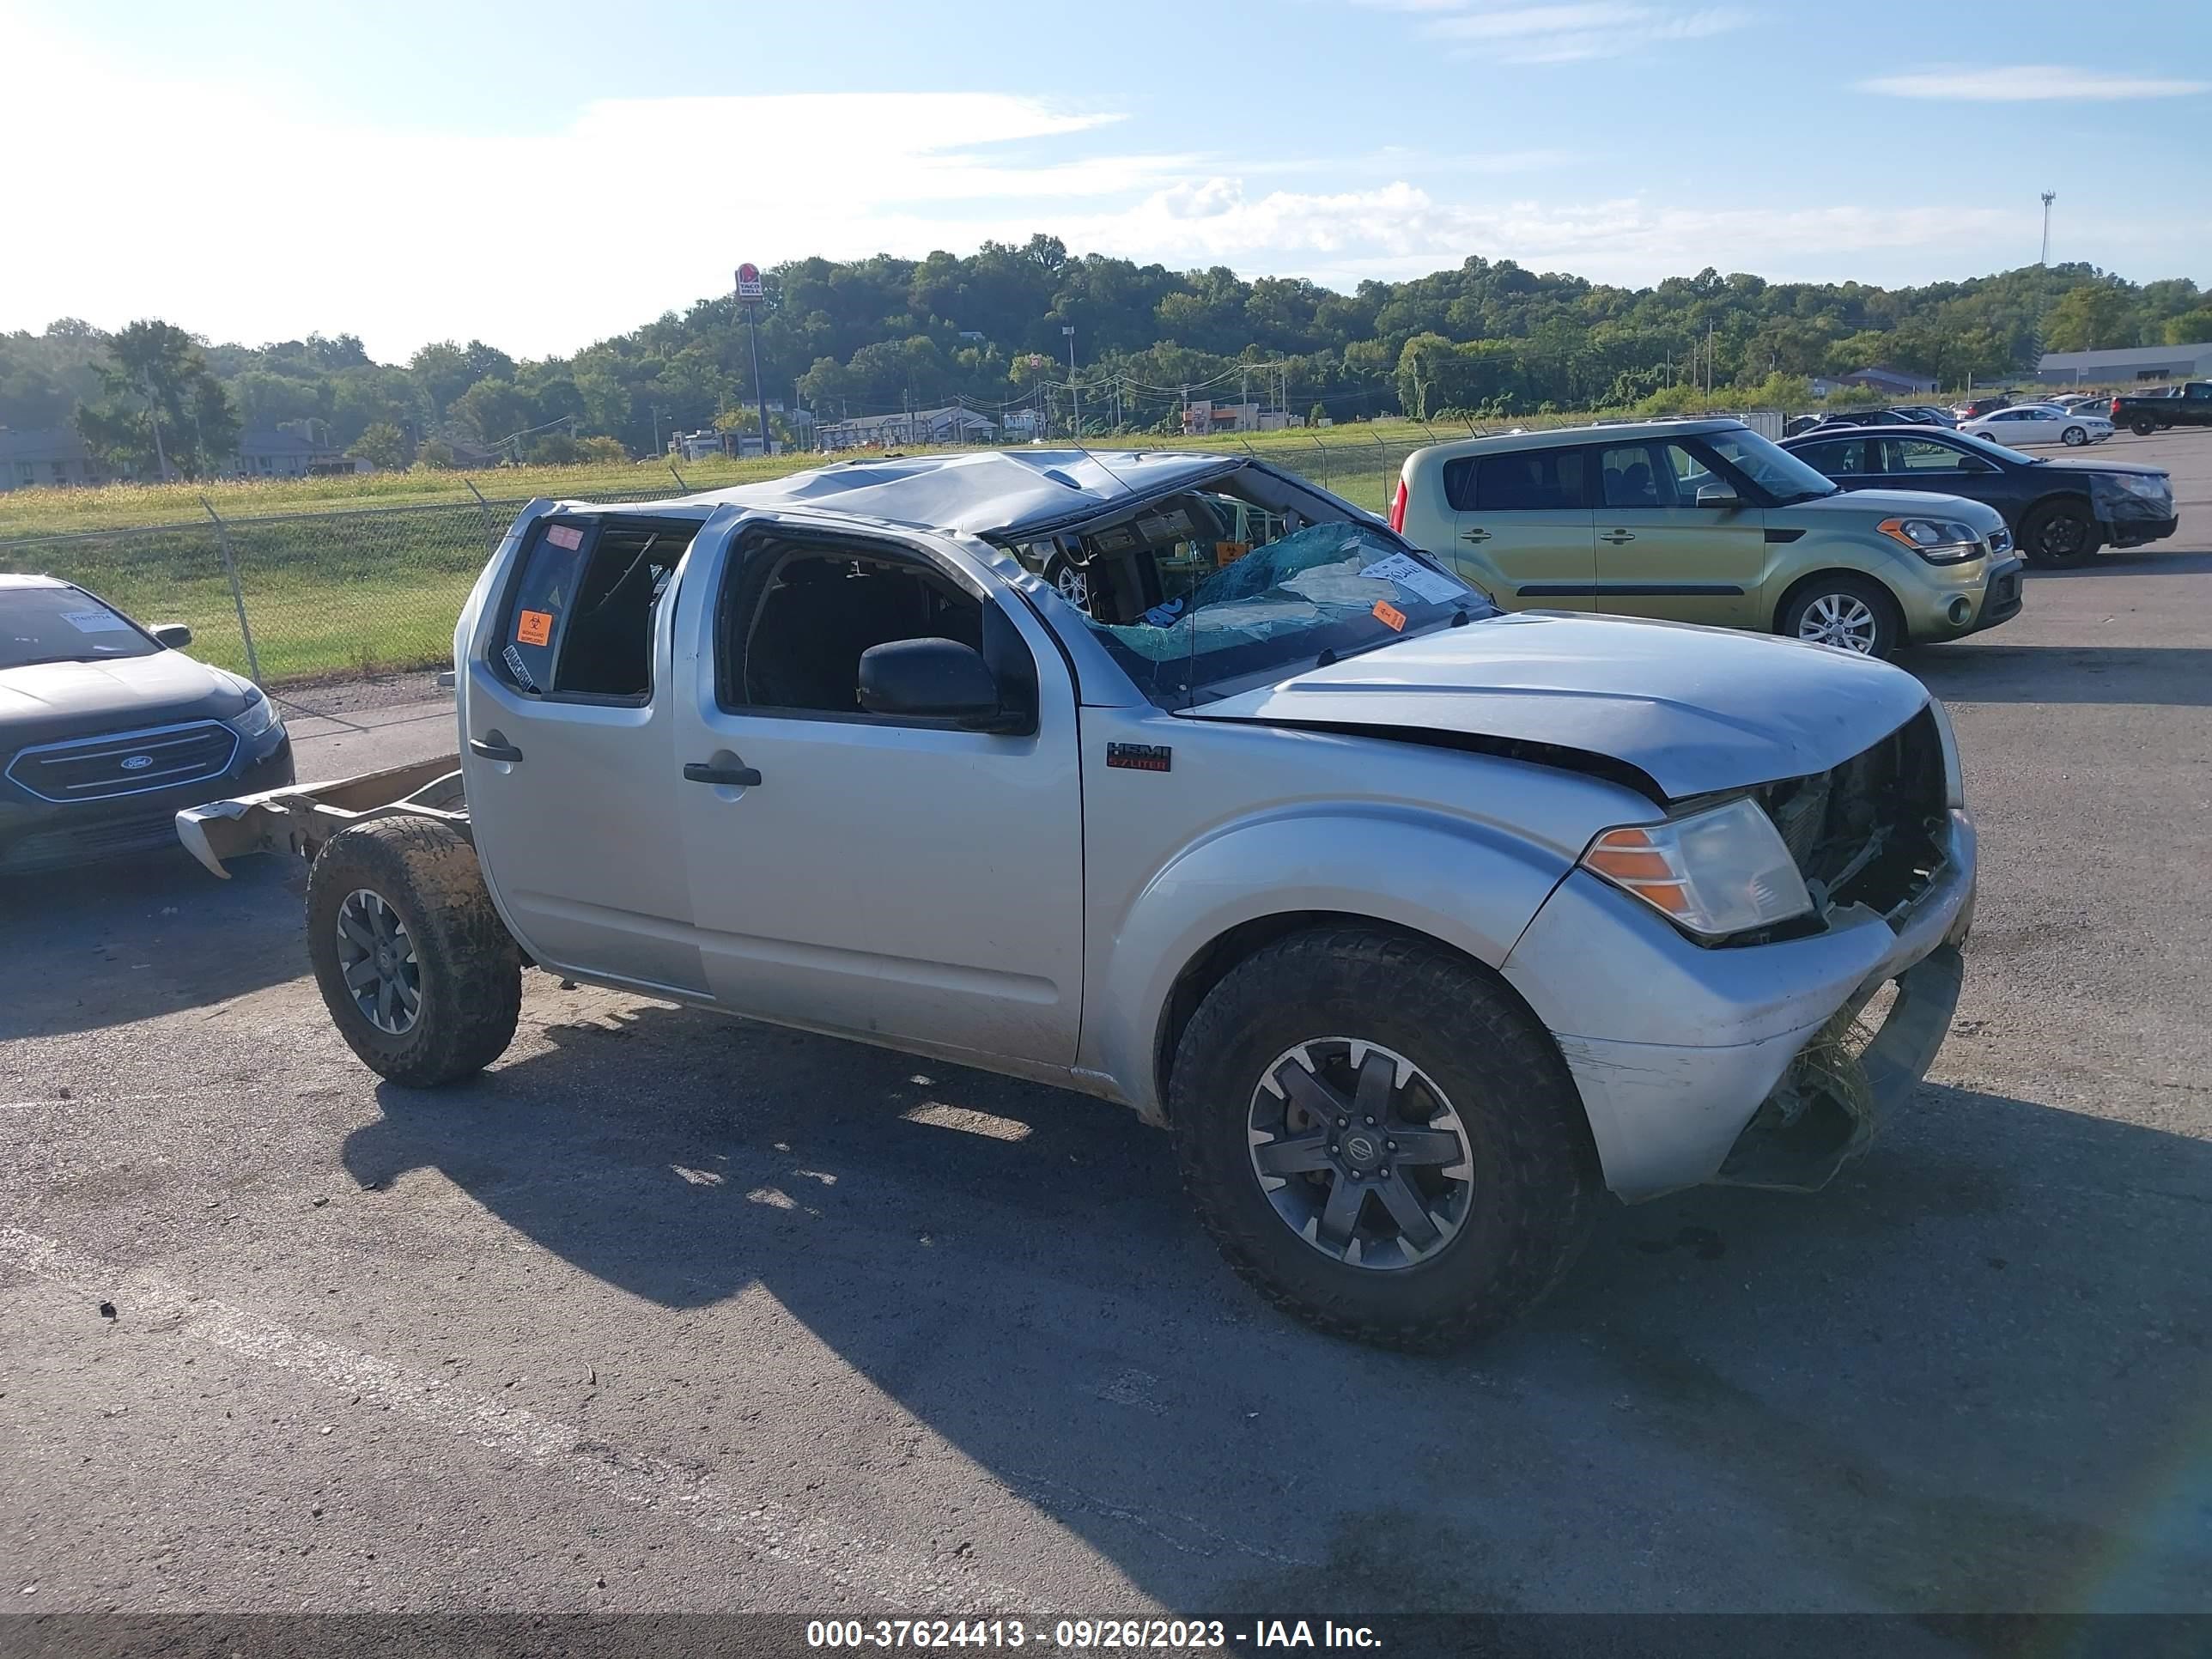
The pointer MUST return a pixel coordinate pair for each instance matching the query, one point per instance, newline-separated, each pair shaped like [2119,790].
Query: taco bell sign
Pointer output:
[749,281]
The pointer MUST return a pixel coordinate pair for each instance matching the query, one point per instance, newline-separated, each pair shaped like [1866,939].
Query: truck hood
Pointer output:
[1695,709]
[50,700]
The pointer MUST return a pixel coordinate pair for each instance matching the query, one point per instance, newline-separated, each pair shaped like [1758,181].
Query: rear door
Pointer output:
[568,709]
[1853,462]
[1660,553]
[1523,527]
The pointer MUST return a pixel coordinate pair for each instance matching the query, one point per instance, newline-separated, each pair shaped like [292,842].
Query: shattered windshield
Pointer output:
[1200,591]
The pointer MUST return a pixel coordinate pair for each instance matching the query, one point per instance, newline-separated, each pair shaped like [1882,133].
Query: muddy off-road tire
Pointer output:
[1474,1116]
[422,978]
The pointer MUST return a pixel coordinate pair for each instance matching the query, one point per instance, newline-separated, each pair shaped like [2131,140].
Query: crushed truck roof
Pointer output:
[996,492]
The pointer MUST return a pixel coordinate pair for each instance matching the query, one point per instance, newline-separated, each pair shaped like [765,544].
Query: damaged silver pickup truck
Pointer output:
[1418,926]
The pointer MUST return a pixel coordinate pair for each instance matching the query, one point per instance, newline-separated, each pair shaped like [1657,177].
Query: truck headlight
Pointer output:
[256,717]
[1938,541]
[1719,871]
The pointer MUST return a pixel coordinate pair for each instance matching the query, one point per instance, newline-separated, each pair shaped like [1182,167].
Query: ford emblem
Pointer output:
[137,763]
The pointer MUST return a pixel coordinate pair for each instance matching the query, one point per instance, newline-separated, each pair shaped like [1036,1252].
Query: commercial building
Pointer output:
[2172,363]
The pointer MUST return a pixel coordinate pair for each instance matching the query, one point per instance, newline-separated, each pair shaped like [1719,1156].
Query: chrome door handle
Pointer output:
[1617,537]
[498,751]
[1475,535]
[730,777]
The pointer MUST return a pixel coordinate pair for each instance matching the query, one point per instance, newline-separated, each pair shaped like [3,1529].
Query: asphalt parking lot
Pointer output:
[672,1312]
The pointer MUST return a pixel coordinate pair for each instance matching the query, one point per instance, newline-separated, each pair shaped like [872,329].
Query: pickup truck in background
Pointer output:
[2189,404]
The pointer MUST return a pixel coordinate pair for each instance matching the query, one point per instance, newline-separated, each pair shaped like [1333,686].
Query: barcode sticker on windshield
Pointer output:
[565,535]
[1389,615]
[95,621]
[1416,578]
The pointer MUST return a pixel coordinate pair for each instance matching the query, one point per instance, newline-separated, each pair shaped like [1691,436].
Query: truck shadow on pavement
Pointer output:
[104,944]
[1972,1375]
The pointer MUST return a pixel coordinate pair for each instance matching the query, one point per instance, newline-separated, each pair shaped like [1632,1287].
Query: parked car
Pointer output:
[107,728]
[1974,408]
[1927,414]
[1418,926]
[2040,424]
[1705,521]
[2060,512]
[2189,404]
[1868,417]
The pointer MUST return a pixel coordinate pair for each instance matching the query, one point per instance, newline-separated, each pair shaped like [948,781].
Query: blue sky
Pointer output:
[542,175]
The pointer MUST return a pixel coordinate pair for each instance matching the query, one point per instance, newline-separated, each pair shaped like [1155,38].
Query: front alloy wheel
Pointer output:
[2073,437]
[1841,619]
[377,958]
[1360,1154]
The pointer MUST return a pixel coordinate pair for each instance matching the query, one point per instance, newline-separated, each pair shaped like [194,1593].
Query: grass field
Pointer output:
[351,576]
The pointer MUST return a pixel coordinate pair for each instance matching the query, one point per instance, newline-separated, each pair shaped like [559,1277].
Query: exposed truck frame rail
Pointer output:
[300,818]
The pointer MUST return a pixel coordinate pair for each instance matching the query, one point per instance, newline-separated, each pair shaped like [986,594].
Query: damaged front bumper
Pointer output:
[1765,1066]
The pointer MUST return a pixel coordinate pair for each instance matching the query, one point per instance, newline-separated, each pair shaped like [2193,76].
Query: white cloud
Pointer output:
[1400,229]
[2028,82]
[1571,32]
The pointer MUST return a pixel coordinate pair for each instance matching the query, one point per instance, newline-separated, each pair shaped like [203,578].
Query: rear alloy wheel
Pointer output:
[2143,428]
[2073,437]
[1381,1138]
[422,978]
[2058,533]
[1848,613]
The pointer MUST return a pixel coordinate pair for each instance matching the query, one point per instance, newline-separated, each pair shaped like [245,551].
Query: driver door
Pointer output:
[1661,553]
[898,880]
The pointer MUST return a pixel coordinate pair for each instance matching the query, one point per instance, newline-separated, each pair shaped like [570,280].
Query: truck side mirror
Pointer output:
[1717,495]
[175,636]
[934,679]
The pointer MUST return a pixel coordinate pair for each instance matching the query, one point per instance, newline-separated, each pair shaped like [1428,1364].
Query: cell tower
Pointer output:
[2049,197]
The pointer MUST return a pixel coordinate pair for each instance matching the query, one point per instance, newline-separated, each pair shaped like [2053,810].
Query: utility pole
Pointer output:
[1074,398]
[2049,197]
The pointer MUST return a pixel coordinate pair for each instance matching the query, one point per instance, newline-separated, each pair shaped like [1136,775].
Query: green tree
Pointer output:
[2190,328]
[384,446]
[2094,316]
[164,415]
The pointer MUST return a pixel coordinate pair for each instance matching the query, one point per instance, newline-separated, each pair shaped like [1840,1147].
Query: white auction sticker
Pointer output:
[1416,578]
[95,621]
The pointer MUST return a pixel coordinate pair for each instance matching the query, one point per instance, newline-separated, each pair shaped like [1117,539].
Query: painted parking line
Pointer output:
[870,1567]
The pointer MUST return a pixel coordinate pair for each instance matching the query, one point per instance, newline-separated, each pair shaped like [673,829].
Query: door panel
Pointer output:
[1659,554]
[1523,529]
[571,793]
[911,883]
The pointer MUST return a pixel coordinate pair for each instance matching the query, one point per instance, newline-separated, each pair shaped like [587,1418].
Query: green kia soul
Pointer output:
[1706,521]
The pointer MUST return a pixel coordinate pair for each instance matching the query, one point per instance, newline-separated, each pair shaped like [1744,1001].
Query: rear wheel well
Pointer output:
[1790,594]
[1219,956]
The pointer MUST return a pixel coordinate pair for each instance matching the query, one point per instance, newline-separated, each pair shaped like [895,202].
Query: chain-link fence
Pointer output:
[298,598]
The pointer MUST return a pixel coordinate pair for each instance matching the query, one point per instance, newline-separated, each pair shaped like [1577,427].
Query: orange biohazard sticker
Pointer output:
[1389,615]
[1227,553]
[536,627]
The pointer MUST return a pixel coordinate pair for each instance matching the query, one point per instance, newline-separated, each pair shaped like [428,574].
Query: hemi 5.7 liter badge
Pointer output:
[1140,756]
